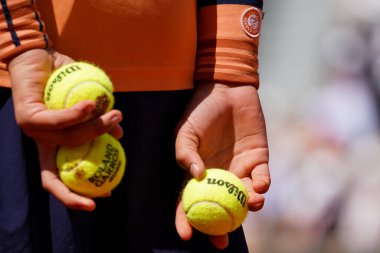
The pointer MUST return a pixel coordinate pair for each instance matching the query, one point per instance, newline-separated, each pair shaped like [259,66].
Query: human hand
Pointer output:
[224,127]
[29,72]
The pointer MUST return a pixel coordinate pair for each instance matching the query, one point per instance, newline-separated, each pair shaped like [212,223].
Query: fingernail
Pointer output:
[115,119]
[195,171]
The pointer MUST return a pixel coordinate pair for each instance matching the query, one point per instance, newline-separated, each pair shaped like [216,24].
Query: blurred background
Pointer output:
[320,92]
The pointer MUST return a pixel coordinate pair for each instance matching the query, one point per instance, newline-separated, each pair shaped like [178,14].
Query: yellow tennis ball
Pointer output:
[94,168]
[217,204]
[78,81]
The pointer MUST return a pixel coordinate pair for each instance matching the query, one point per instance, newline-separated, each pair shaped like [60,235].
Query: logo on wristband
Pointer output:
[251,22]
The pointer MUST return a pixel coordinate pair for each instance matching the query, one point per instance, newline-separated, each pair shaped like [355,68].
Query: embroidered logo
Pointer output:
[251,21]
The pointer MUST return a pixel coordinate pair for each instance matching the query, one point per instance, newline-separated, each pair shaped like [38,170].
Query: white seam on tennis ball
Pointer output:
[215,204]
[82,83]
[92,142]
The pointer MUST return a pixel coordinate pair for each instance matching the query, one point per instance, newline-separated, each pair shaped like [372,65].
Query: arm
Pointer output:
[224,124]
[26,52]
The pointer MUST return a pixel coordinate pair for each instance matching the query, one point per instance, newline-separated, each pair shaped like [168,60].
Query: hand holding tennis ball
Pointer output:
[94,168]
[216,204]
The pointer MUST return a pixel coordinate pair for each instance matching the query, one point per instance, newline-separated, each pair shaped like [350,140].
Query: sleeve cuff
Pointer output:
[21,29]
[228,41]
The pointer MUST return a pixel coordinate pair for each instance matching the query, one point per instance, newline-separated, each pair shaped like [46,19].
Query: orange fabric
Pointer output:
[26,28]
[142,45]
[225,52]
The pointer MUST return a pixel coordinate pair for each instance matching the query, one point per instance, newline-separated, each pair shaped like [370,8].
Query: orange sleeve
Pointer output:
[21,28]
[228,42]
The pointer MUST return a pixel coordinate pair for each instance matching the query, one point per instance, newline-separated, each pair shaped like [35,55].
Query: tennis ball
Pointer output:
[217,204]
[79,81]
[94,168]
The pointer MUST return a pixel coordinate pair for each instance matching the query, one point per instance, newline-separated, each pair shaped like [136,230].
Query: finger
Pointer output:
[182,225]
[220,242]
[100,125]
[60,119]
[54,185]
[255,200]
[117,131]
[84,132]
[252,168]
[59,59]
[187,155]
[105,195]
[261,178]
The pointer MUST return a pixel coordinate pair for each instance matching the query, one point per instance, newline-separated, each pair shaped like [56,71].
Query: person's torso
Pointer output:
[143,45]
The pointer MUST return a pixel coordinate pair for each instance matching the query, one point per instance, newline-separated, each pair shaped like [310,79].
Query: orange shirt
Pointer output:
[142,45]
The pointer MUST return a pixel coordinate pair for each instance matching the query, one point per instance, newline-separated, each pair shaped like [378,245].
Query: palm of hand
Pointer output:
[226,126]
[231,127]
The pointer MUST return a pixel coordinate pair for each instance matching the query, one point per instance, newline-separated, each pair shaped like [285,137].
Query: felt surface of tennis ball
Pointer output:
[217,204]
[78,81]
[94,168]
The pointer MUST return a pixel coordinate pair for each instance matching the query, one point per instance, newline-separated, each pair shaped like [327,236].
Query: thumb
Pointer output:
[60,59]
[186,149]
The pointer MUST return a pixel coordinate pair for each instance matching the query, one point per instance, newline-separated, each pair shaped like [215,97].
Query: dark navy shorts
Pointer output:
[137,218]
